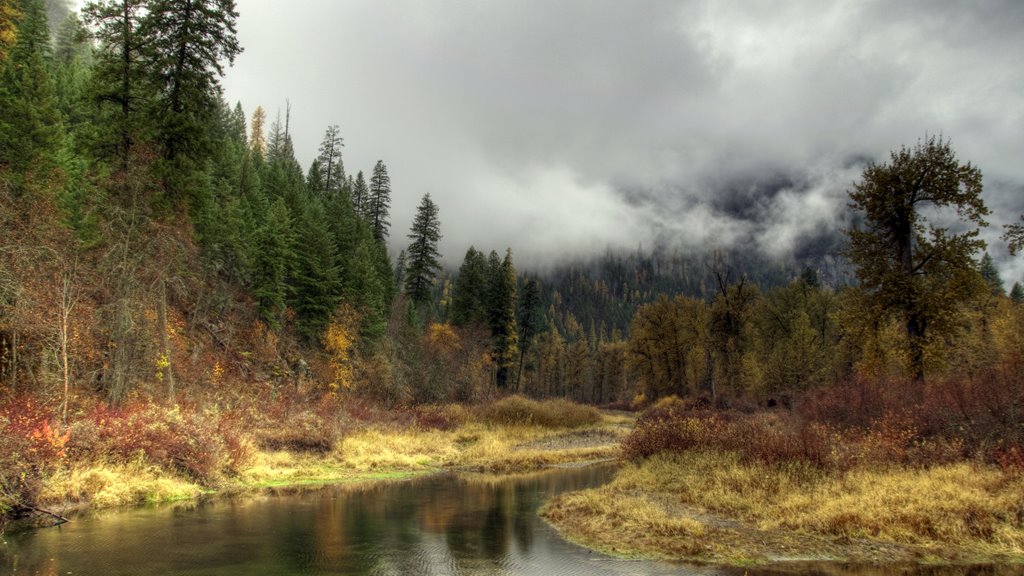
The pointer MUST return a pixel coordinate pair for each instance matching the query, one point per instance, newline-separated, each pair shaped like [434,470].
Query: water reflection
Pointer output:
[439,525]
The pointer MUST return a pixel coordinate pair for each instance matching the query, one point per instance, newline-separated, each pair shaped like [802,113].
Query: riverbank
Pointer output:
[756,489]
[373,452]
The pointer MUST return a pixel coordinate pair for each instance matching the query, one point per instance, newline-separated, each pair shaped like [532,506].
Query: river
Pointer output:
[445,524]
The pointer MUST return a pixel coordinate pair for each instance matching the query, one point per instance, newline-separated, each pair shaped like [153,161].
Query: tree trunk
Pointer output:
[67,303]
[915,336]
[165,342]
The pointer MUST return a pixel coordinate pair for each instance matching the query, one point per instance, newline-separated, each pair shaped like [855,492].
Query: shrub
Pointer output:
[32,443]
[767,438]
[302,432]
[177,440]
[440,416]
[516,411]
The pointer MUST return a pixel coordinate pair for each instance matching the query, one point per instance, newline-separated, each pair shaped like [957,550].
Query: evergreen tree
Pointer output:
[72,62]
[469,295]
[235,125]
[502,315]
[379,201]
[30,129]
[423,264]
[400,268]
[118,76]
[316,280]
[315,178]
[272,255]
[907,266]
[187,42]
[9,16]
[360,196]
[990,274]
[369,290]
[330,162]
[531,320]
[1017,293]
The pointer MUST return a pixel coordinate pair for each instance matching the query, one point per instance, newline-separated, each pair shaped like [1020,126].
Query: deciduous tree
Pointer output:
[908,266]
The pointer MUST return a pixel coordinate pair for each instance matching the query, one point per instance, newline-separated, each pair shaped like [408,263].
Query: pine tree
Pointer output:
[469,296]
[72,62]
[360,196]
[1017,293]
[272,255]
[187,42]
[316,281]
[30,129]
[118,76]
[423,264]
[531,321]
[990,274]
[379,201]
[315,178]
[502,315]
[330,162]
[401,265]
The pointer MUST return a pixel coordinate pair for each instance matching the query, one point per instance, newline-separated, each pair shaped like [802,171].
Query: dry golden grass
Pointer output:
[959,511]
[520,411]
[396,448]
[380,452]
[109,485]
[474,445]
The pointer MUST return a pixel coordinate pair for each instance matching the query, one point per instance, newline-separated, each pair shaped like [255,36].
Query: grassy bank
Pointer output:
[512,435]
[738,489]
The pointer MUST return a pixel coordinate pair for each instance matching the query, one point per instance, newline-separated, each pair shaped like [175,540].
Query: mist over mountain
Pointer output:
[563,130]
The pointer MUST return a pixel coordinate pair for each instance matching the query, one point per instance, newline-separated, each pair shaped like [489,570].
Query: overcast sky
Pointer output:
[565,127]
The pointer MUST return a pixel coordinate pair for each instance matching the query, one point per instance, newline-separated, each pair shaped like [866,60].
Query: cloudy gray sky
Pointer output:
[565,127]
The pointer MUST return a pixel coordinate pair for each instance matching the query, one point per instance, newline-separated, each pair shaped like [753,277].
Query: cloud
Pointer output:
[566,127]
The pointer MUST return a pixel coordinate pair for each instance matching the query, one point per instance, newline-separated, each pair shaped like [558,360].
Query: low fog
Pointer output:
[565,128]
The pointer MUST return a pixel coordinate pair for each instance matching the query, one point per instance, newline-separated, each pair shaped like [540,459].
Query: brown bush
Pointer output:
[181,440]
[768,438]
[517,410]
[440,416]
[302,432]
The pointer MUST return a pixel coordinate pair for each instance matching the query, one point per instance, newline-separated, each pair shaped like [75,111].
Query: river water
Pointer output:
[438,525]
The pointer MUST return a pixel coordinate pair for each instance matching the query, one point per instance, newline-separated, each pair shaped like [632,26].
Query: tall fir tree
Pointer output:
[379,201]
[316,280]
[331,166]
[1017,293]
[423,263]
[118,81]
[272,241]
[990,274]
[30,128]
[469,295]
[531,321]
[360,195]
[188,43]
[502,315]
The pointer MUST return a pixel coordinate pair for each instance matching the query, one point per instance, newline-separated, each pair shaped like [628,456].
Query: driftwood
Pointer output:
[60,519]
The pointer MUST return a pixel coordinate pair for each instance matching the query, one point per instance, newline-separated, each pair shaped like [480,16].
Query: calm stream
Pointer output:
[436,525]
